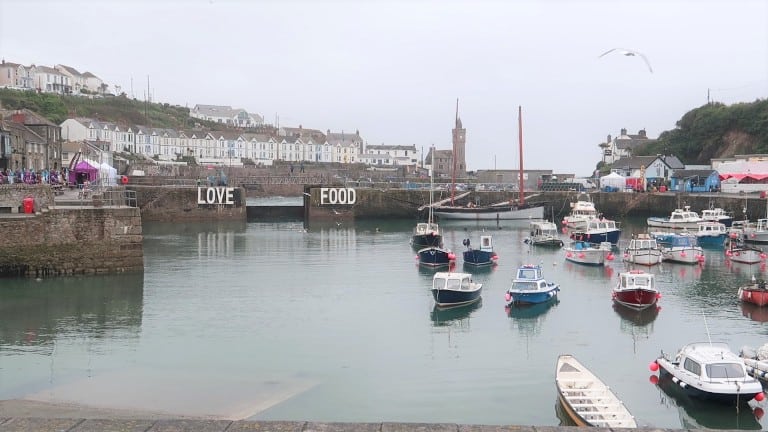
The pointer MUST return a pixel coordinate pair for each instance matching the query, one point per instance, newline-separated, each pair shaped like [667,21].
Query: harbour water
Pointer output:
[267,321]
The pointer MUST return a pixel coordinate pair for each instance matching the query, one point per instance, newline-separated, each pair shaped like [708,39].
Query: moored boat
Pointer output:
[740,252]
[544,233]
[643,250]
[582,252]
[455,289]
[757,233]
[530,287]
[711,234]
[717,215]
[636,289]
[435,257]
[679,219]
[599,231]
[582,211]
[710,371]
[482,256]
[427,234]
[679,247]
[755,293]
[586,399]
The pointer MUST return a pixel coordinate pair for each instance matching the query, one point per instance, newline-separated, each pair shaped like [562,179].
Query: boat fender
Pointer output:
[124,180]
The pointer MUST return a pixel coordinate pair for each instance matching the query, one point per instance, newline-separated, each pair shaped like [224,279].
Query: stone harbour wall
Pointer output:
[72,241]
[12,195]
[180,204]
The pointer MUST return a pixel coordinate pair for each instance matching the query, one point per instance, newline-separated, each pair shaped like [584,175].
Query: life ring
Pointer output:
[124,180]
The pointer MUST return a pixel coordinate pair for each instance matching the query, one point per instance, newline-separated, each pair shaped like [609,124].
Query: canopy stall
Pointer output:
[83,171]
[613,182]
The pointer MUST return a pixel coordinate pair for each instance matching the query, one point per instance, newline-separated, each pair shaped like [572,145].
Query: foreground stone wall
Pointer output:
[180,204]
[72,241]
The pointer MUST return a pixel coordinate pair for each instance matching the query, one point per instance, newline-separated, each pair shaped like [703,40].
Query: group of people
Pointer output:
[28,176]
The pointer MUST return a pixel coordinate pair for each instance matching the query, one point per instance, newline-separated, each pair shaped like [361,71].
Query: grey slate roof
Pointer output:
[681,174]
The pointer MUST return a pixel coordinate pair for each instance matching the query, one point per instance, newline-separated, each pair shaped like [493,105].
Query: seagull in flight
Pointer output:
[627,52]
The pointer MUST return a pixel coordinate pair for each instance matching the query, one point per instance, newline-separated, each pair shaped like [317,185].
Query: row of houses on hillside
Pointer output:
[236,117]
[59,79]
[234,147]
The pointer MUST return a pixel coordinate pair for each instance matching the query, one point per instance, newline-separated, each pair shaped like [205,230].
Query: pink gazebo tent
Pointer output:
[83,171]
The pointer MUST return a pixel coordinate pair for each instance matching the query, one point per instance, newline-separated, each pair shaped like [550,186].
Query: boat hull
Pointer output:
[666,371]
[435,257]
[666,224]
[637,298]
[536,297]
[479,258]
[687,255]
[647,257]
[598,237]
[754,295]
[489,213]
[448,298]
[711,241]
[588,257]
[745,256]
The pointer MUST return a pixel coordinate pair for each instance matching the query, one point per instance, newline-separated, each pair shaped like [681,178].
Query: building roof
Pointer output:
[69,69]
[682,174]
[391,147]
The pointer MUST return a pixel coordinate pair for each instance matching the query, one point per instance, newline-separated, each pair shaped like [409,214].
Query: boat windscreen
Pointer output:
[725,370]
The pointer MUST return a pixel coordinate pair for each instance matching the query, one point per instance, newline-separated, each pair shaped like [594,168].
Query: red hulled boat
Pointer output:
[636,289]
[756,293]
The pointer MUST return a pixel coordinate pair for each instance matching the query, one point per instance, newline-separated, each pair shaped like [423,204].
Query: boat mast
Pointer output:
[453,173]
[431,182]
[520,139]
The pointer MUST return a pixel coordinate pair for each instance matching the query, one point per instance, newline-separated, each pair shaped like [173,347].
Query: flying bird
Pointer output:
[627,52]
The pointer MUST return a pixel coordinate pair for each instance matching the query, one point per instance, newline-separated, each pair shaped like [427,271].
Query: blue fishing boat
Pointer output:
[711,234]
[482,256]
[530,287]
[599,230]
[434,256]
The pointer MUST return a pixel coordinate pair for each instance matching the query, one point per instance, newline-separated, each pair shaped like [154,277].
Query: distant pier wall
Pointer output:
[185,203]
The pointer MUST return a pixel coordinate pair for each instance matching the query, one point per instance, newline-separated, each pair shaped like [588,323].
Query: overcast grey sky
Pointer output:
[394,69]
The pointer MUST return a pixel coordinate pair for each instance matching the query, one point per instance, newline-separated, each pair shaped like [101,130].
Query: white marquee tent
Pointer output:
[613,180]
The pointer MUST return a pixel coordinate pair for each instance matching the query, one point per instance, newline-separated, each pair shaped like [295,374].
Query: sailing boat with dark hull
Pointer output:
[508,210]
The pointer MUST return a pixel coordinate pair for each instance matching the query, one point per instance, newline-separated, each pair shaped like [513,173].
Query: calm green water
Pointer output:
[266,321]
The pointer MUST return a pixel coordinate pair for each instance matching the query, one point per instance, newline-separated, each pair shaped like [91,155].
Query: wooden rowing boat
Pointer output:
[586,399]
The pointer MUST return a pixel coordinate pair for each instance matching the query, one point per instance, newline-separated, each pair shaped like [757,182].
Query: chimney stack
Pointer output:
[18,117]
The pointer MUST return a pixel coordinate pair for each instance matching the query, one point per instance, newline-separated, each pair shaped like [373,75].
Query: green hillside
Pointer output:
[116,109]
[715,131]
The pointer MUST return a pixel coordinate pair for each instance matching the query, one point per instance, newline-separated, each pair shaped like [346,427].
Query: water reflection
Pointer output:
[35,313]
[633,318]
[754,312]
[454,315]
[699,414]
[529,318]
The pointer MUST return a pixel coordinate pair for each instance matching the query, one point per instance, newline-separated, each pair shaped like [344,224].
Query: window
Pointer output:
[725,370]
[692,367]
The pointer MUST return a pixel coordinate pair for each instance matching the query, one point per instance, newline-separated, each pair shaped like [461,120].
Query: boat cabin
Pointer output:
[643,241]
[529,272]
[711,361]
[637,279]
[423,228]
[452,281]
[486,243]
[677,241]
[543,229]
[712,228]
[684,215]
[601,225]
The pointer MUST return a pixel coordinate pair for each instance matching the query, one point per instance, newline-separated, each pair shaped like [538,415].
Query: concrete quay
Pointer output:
[27,424]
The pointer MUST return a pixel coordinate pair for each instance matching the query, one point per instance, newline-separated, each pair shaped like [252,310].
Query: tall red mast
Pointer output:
[455,131]
[520,138]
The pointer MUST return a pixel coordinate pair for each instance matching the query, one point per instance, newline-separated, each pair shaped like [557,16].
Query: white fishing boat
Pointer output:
[643,250]
[717,214]
[710,371]
[679,247]
[757,233]
[586,253]
[679,219]
[544,233]
[586,399]
[582,211]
